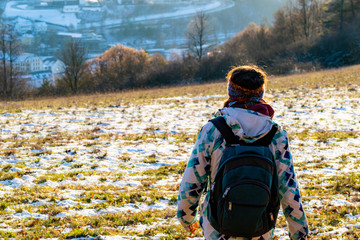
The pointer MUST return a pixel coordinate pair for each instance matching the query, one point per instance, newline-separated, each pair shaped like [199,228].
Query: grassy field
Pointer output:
[338,78]
[107,166]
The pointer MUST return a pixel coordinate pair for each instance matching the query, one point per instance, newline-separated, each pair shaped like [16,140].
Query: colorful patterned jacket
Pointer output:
[204,160]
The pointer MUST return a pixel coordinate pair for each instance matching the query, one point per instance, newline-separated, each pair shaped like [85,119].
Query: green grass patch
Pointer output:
[150,137]
[58,177]
[165,171]
[151,159]
[7,235]
[330,216]
[345,184]
[324,136]
[170,232]
[81,233]
[110,220]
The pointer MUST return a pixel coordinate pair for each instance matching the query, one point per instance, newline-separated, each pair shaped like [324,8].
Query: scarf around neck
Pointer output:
[257,106]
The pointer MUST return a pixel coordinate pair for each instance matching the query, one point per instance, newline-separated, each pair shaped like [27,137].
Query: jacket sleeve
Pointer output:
[289,189]
[195,177]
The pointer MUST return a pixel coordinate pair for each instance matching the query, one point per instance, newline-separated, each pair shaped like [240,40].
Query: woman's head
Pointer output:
[246,83]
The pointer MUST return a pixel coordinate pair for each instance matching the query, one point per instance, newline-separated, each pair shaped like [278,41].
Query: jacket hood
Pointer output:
[247,124]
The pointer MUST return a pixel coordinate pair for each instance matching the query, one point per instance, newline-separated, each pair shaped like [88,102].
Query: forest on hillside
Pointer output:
[305,35]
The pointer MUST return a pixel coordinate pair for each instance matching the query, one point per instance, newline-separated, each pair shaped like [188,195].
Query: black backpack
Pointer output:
[244,197]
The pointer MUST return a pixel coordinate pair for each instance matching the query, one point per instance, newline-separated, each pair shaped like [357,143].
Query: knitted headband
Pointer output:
[242,92]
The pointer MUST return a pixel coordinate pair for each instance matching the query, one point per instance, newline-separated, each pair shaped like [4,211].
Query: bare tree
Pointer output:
[352,9]
[3,45]
[291,18]
[73,55]
[9,50]
[304,16]
[200,35]
[308,14]
[341,14]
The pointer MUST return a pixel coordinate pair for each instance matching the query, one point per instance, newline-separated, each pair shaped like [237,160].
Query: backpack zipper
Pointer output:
[260,184]
[247,205]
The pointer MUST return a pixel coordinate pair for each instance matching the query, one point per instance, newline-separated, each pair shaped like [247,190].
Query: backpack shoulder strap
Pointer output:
[266,140]
[225,130]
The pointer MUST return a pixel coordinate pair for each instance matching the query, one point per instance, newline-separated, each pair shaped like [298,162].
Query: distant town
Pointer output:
[42,26]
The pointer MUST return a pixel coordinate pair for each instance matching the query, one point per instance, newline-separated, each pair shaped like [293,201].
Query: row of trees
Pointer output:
[11,85]
[305,35]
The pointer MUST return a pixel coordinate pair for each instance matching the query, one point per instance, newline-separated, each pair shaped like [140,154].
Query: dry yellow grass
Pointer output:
[342,77]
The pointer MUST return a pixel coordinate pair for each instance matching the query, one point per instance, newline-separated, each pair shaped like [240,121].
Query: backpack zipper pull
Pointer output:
[271,217]
[230,206]
[212,186]
[226,192]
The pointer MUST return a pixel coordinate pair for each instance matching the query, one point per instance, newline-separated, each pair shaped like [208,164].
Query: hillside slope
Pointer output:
[109,166]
